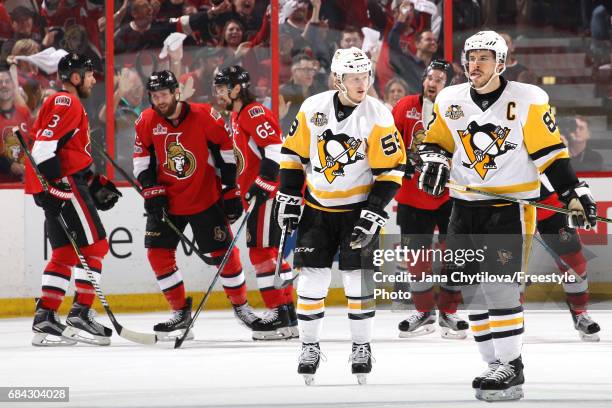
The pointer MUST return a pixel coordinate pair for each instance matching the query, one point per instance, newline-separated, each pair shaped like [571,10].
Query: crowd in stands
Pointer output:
[195,38]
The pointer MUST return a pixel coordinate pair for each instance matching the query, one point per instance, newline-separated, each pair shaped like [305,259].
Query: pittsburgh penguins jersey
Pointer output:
[503,148]
[343,157]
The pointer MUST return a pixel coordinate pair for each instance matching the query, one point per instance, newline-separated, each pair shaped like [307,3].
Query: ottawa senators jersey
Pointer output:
[502,149]
[342,159]
[256,135]
[61,129]
[183,156]
[408,117]
[10,148]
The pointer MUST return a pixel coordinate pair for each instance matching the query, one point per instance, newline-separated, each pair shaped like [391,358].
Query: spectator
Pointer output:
[11,155]
[351,37]
[300,87]
[232,34]
[395,90]
[27,71]
[577,134]
[514,69]
[5,23]
[142,33]
[205,61]
[250,13]
[600,33]
[22,23]
[296,22]
[408,66]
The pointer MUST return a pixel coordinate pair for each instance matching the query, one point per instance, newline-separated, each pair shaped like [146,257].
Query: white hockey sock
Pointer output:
[479,322]
[507,331]
[310,314]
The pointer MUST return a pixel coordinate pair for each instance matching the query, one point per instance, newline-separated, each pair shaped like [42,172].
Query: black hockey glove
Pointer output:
[580,202]
[232,204]
[261,190]
[156,201]
[53,200]
[289,210]
[413,163]
[368,227]
[435,172]
[103,192]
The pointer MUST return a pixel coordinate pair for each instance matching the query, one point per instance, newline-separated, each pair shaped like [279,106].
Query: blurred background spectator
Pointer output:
[395,90]
[576,135]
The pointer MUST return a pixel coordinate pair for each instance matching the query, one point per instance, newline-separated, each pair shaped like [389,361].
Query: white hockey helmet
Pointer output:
[486,40]
[350,61]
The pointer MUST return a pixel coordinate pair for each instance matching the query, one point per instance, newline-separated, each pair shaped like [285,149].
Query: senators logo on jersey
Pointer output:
[335,152]
[180,162]
[483,143]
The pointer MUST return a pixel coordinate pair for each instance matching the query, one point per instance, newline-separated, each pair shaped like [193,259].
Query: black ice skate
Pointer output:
[361,361]
[309,361]
[47,323]
[452,326]
[505,383]
[81,317]
[587,328]
[274,325]
[246,315]
[418,324]
[476,382]
[293,321]
[179,322]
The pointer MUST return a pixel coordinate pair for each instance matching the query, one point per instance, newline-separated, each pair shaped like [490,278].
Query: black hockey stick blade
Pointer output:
[279,282]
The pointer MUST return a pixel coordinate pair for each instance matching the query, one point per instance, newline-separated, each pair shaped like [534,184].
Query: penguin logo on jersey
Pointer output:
[180,162]
[483,144]
[336,152]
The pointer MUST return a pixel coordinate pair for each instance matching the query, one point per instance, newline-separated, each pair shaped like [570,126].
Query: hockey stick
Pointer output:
[207,260]
[468,189]
[136,337]
[280,283]
[334,160]
[179,340]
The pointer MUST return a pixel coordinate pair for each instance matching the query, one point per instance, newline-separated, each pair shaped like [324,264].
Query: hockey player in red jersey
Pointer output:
[61,151]
[418,213]
[257,141]
[179,148]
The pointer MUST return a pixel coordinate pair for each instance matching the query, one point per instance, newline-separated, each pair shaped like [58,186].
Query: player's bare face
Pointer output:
[357,86]
[434,82]
[86,88]
[481,67]
[164,102]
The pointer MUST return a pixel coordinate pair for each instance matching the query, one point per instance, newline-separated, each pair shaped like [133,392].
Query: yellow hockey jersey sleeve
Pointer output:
[386,154]
[438,132]
[296,146]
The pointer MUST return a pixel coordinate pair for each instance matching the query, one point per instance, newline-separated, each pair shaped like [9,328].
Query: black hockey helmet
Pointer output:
[232,76]
[160,80]
[71,63]
[440,65]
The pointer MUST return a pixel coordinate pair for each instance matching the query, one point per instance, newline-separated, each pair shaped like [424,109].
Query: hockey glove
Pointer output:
[289,210]
[156,201]
[580,202]
[367,227]
[103,192]
[261,190]
[435,173]
[413,163]
[232,204]
[53,200]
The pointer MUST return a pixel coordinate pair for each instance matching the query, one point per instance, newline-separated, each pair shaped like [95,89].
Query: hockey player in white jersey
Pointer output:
[497,135]
[345,146]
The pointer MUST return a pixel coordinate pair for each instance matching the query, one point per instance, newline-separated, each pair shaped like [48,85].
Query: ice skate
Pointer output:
[361,361]
[476,382]
[274,325]
[452,326]
[177,325]
[81,317]
[418,324]
[49,331]
[245,314]
[587,328]
[293,321]
[309,361]
[505,383]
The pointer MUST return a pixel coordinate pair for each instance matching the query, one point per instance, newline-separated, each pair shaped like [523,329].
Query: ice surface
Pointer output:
[224,368]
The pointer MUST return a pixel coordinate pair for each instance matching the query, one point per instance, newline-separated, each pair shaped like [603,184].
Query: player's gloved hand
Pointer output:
[261,190]
[54,199]
[413,162]
[103,192]
[232,204]
[156,201]
[435,172]
[289,210]
[580,202]
[368,227]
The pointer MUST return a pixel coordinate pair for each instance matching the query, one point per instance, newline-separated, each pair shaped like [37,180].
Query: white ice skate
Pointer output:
[452,326]
[418,324]
[586,327]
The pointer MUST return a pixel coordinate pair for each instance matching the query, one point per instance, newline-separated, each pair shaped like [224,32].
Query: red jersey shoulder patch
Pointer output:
[63,100]
[256,111]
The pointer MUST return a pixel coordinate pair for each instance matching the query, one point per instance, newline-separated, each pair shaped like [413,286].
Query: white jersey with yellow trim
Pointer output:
[502,149]
[342,159]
